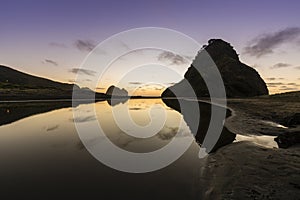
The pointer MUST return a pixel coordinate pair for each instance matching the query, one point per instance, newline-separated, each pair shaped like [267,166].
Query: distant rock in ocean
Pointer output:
[115,91]
[239,79]
[116,95]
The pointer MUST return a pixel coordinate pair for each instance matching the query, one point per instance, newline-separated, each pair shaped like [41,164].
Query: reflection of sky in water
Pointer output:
[56,128]
[52,131]
[44,152]
[141,116]
[264,140]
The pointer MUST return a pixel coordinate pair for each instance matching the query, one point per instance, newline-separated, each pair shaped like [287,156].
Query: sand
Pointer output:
[244,170]
[248,170]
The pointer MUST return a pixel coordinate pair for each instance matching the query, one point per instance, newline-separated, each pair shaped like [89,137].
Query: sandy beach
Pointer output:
[253,170]
[244,170]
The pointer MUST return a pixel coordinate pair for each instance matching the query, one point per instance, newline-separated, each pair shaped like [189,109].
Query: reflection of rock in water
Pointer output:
[21,110]
[13,111]
[199,124]
[113,101]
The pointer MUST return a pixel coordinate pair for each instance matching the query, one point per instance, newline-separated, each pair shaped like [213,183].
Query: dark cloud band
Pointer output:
[85,45]
[52,62]
[266,43]
[174,59]
[82,71]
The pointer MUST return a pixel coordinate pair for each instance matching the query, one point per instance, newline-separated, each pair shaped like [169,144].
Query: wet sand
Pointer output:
[262,116]
[244,170]
[254,170]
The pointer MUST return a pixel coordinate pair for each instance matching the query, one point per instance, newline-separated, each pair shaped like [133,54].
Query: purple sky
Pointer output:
[39,37]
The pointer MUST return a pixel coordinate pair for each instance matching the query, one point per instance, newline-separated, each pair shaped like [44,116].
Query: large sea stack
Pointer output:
[239,79]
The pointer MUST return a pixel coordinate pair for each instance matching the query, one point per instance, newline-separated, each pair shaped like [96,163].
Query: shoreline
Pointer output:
[76,100]
[248,169]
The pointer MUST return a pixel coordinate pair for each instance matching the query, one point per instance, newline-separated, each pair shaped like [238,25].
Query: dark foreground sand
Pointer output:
[246,170]
[262,116]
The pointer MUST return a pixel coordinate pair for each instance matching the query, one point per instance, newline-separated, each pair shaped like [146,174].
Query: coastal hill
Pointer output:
[16,85]
[239,79]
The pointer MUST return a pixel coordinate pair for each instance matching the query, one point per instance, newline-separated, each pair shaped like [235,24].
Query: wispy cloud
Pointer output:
[280,65]
[265,44]
[173,59]
[283,86]
[273,79]
[171,83]
[56,44]
[158,89]
[288,88]
[85,45]
[275,84]
[100,88]
[52,62]
[297,67]
[135,83]
[295,84]
[82,71]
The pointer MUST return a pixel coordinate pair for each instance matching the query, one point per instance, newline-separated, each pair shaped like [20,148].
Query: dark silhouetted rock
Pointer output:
[239,79]
[285,140]
[116,95]
[115,91]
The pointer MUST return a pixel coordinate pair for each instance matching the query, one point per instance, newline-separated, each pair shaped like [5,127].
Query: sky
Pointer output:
[53,38]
